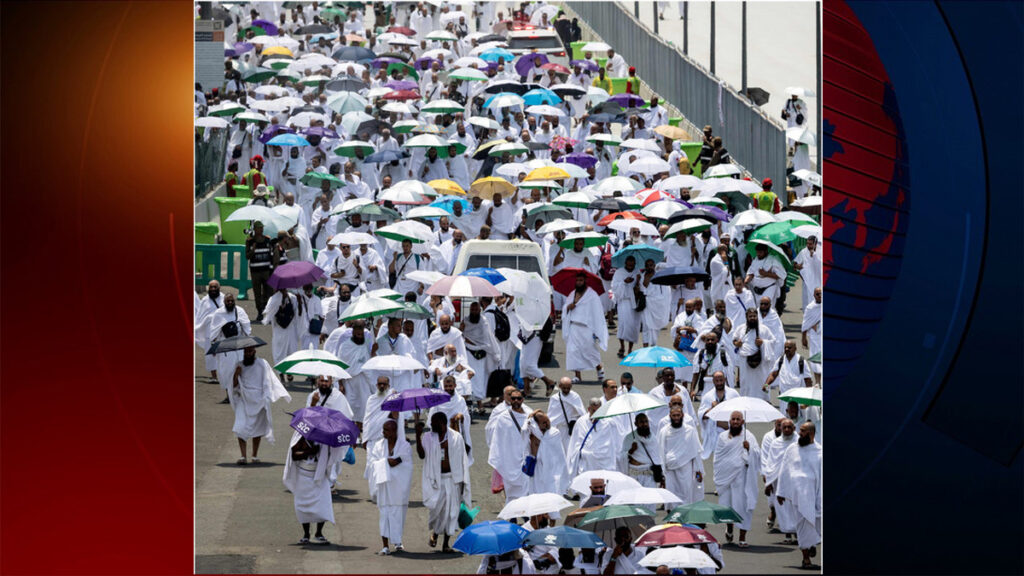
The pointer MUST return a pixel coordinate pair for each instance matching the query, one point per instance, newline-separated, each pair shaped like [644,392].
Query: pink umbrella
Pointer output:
[463,287]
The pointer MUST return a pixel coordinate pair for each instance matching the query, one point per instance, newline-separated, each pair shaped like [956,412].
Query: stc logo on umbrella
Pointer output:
[303,427]
[344,438]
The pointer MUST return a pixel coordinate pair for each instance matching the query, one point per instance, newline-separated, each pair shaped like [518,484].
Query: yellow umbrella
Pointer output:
[354,39]
[547,173]
[488,187]
[673,132]
[277,50]
[446,187]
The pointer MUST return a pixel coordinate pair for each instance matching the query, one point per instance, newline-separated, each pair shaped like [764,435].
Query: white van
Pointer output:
[517,254]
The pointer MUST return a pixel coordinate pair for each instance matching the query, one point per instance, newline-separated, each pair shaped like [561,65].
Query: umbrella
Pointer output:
[626,225]
[625,215]
[316,368]
[526,62]
[654,356]
[574,170]
[679,181]
[773,250]
[539,96]
[808,202]
[757,95]
[350,148]
[605,520]
[402,94]
[414,399]
[506,86]
[484,149]
[373,212]
[672,132]
[393,363]
[627,404]
[226,109]
[489,274]
[496,53]
[235,343]
[674,535]
[402,85]
[547,173]
[345,102]
[401,196]
[426,141]
[722,170]
[256,75]
[643,496]
[487,187]
[806,395]
[627,100]
[703,512]
[709,213]
[808,176]
[321,132]
[564,281]
[574,200]
[443,107]
[447,203]
[545,212]
[608,139]
[369,307]
[614,481]
[580,159]
[312,355]
[662,209]
[802,135]
[405,126]
[676,275]
[808,230]
[564,537]
[540,184]
[640,252]
[753,409]
[799,218]
[504,100]
[425,277]
[272,221]
[649,165]
[534,504]
[426,212]
[558,68]
[776,232]
[595,47]
[288,140]
[415,311]
[386,293]
[414,232]
[753,217]
[559,224]
[468,74]
[610,204]
[687,227]
[512,148]
[462,287]
[211,122]
[565,90]
[325,425]
[590,240]
[679,558]
[615,184]
[384,156]
[294,274]
[446,187]
[313,29]
[493,537]
[346,83]
[315,80]
[545,110]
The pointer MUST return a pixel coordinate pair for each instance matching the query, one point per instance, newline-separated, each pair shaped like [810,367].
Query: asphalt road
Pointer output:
[245,520]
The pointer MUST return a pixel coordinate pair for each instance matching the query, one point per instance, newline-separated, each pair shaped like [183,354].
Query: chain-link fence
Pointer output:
[211,147]
[755,141]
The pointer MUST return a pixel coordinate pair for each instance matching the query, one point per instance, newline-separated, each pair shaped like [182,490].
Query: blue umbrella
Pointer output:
[655,357]
[493,537]
[539,96]
[564,537]
[316,38]
[353,54]
[447,203]
[489,274]
[385,156]
[493,54]
[487,103]
[288,140]
[325,426]
[642,253]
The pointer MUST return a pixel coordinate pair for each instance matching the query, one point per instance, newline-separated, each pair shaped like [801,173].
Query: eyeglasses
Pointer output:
[517,399]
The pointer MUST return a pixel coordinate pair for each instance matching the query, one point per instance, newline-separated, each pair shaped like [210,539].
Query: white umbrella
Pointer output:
[426,141]
[550,9]
[532,296]
[470,61]
[506,101]
[273,222]
[442,35]
[268,41]
[211,122]
[317,368]
[747,187]
[271,91]
[753,217]
[679,557]
[614,482]
[608,139]
[596,47]
[368,307]
[305,119]
[398,108]
[352,239]
[625,226]
[402,41]
[808,176]
[251,117]
[462,287]
[393,362]
[573,170]
[626,404]
[441,106]
[268,105]
[311,355]
[534,504]
[753,410]
[799,91]
[722,170]
[679,181]
[386,293]
[436,53]
[453,17]
[416,186]
[425,212]
[614,184]
[545,110]
[643,496]
[790,215]
[662,209]
[810,393]
[801,134]
[415,232]
[687,227]
[402,196]
[808,202]
[559,224]
[425,277]
[808,230]
[649,165]
[640,144]
[353,203]
[484,122]
[377,92]
[225,109]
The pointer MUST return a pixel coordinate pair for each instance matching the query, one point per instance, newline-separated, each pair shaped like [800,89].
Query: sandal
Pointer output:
[621,354]
[241,461]
[304,540]
[813,552]
[255,460]
[743,544]
[433,541]
[807,565]
[728,537]
[321,540]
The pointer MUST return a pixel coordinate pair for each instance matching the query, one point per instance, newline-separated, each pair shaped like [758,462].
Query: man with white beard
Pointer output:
[543,442]
[791,371]
[639,456]
[773,446]
[737,466]
[227,321]
[507,447]
[444,335]
[679,449]
[811,331]
[451,364]
[445,481]
[800,485]
[738,301]
[565,408]
[254,388]
[713,397]
[752,345]
[766,274]
[625,284]
[770,321]
[206,307]
[353,345]
[457,412]
[373,417]
[282,313]
[389,472]
[584,330]
[482,347]
[809,262]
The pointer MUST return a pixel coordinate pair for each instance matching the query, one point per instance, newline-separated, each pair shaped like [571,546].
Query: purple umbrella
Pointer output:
[526,62]
[684,203]
[627,100]
[383,61]
[585,64]
[714,211]
[269,27]
[424,63]
[242,47]
[321,132]
[402,85]
[580,159]
[414,399]
[273,130]
[295,274]
[325,426]
[230,53]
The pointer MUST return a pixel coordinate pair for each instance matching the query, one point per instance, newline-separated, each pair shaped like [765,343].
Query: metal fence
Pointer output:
[756,142]
[209,159]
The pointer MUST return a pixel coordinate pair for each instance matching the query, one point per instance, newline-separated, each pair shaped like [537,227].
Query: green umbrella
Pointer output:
[403,68]
[590,240]
[703,512]
[513,148]
[312,355]
[314,179]
[278,63]
[404,126]
[349,149]
[259,75]
[776,232]
[226,109]
[816,358]
[442,107]
[459,149]
[573,200]
[344,102]
[547,213]
[806,395]
[468,74]
[328,14]
[414,311]
[604,521]
[773,251]
[373,212]
[289,75]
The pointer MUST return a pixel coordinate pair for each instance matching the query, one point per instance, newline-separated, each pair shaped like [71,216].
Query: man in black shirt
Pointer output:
[263,258]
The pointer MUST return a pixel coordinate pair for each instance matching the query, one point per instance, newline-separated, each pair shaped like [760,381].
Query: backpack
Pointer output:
[607,271]
[285,314]
[502,329]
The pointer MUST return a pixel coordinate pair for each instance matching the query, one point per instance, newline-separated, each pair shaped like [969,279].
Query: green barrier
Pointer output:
[206,232]
[675,120]
[232,232]
[615,168]
[225,263]
[242,191]
[692,151]
[577,50]
[619,85]
[603,63]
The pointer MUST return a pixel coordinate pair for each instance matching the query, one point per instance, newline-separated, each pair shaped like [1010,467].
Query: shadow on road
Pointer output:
[262,464]
[429,555]
[753,549]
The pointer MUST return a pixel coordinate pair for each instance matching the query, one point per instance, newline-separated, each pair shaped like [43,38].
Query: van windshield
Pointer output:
[524,263]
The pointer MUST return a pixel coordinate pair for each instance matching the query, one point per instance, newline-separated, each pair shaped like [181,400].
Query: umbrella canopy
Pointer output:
[649,165]
[352,239]
[387,293]
[679,181]
[809,176]
[512,148]
[640,252]
[463,287]
[674,535]
[627,100]
[614,184]
[345,102]
[590,240]
[425,277]
[596,47]
[316,368]
[806,395]
[372,212]
[703,512]
[493,537]
[626,226]
[672,132]
[799,217]
[644,496]
[426,141]
[426,212]
[369,307]
[614,481]
[288,140]
[687,227]
[776,232]
[311,355]
[414,311]
[504,100]
[721,171]
[753,409]
[563,537]
[487,187]
[527,61]
[414,399]
[226,109]
[605,520]
[393,363]
[663,209]
[808,230]
[753,217]
[547,173]
[607,139]
[495,53]
[211,122]
[401,196]
[443,107]
[489,274]
[564,281]
[235,343]
[351,148]
[295,274]
[626,404]
[654,356]
[415,232]
[773,251]
[545,212]
[574,200]
[676,275]
[534,504]
[272,221]
[384,156]
[679,558]
[447,203]
[539,96]
[325,425]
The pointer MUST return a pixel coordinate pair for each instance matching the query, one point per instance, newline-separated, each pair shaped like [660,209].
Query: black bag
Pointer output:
[547,330]
[393,276]
[230,330]
[478,354]
[316,325]
[641,299]
[659,476]
[754,360]
[799,119]
[285,314]
[502,329]
[497,382]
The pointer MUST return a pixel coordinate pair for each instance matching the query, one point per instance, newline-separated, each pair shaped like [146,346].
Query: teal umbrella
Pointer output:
[344,102]
[703,512]
[641,252]
[776,232]
[314,180]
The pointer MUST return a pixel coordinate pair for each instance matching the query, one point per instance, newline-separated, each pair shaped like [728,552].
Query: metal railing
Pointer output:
[209,160]
[756,142]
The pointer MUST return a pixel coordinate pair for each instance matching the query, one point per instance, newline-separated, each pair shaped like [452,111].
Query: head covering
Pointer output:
[766,184]
[260,191]
[632,70]
[255,159]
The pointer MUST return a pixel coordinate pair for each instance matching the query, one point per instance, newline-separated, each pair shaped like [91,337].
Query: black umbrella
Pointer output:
[491,38]
[569,90]
[692,213]
[372,126]
[608,118]
[398,55]
[538,145]
[235,343]
[610,204]
[310,108]
[314,29]
[385,156]
[353,54]
[506,86]
[607,107]
[346,83]
[758,96]
[675,275]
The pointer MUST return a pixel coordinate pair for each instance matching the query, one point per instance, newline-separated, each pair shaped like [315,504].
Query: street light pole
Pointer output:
[654,6]
[712,38]
[636,9]
[686,27]
[743,59]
